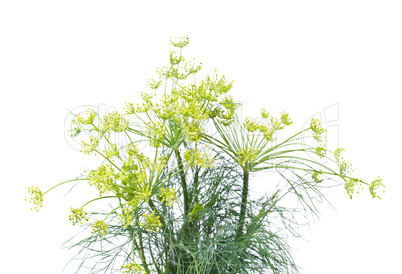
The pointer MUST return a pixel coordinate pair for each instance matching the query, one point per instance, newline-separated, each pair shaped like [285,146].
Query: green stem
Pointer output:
[244,197]
[83,179]
[183,183]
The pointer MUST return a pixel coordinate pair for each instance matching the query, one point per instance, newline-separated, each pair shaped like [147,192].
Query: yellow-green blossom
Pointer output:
[318,130]
[152,84]
[114,122]
[133,268]
[88,148]
[126,216]
[168,195]
[156,132]
[316,176]
[264,114]
[88,120]
[192,131]
[197,157]
[345,167]
[351,185]
[140,196]
[99,226]
[36,197]
[151,223]
[373,187]
[250,125]
[320,151]
[77,215]
[181,42]
[112,151]
[102,178]
[285,119]
[337,153]
[130,109]
[246,155]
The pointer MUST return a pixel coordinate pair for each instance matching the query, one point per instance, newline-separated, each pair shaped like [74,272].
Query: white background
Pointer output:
[297,56]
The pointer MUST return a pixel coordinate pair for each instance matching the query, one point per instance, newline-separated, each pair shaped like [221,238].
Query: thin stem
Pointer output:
[244,197]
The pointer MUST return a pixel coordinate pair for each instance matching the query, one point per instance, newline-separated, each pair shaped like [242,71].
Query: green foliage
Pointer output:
[185,206]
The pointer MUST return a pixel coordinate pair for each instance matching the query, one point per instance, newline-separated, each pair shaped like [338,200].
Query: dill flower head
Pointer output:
[114,122]
[351,185]
[337,154]
[317,129]
[77,215]
[168,195]
[180,42]
[285,119]
[195,157]
[373,187]
[99,226]
[36,197]
[88,120]
[102,178]
[88,148]
[247,155]
[151,223]
[320,151]
[316,176]
[133,268]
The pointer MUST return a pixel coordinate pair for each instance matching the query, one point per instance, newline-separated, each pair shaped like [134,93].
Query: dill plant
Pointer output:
[186,207]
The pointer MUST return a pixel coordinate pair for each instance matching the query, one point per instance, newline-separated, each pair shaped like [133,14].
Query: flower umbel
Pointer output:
[99,226]
[133,268]
[351,185]
[373,187]
[168,195]
[36,197]
[151,223]
[77,215]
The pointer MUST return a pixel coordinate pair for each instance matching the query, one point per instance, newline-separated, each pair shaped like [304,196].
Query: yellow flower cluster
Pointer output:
[36,197]
[151,223]
[316,176]
[152,84]
[139,196]
[320,151]
[168,195]
[156,132]
[102,178]
[167,108]
[344,166]
[114,122]
[161,164]
[351,185]
[272,126]
[317,129]
[197,157]
[99,226]
[285,119]
[126,216]
[181,43]
[112,151]
[86,121]
[133,268]
[77,215]
[175,60]
[373,187]
[130,109]
[246,155]
[88,148]
[337,153]
[192,131]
